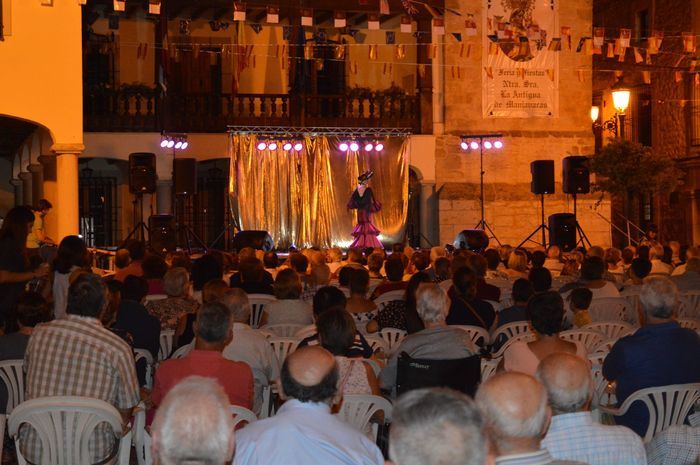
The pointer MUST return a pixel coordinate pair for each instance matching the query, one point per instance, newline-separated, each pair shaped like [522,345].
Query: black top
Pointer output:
[143,327]
[360,347]
[11,259]
[256,288]
[236,280]
[362,202]
[473,312]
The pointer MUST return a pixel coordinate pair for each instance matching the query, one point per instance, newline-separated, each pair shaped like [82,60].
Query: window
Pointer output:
[641,31]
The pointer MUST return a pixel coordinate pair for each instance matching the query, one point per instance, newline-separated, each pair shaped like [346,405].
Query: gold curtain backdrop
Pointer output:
[301,198]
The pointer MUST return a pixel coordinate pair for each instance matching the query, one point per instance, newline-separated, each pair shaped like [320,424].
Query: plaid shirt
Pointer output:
[575,436]
[677,445]
[77,356]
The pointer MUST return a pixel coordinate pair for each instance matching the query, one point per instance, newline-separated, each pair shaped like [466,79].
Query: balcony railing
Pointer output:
[151,111]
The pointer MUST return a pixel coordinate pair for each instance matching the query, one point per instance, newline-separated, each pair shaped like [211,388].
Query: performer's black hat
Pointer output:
[364,177]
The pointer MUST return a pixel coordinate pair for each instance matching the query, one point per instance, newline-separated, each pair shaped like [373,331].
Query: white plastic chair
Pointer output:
[154,297]
[608,309]
[166,344]
[392,337]
[477,334]
[377,344]
[63,445]
[589,338]
[241,414]
[689,305]
[358,410]
[690,323]
[143,354]
[667,405]
[390,296]
[603,391]
[257,305]
[510,330]
[497,306]
[305,332]
[12,375]
[283,346]
[611,329]
[488,368]
[182,351]
[522,337]
[283,330]
[141,438]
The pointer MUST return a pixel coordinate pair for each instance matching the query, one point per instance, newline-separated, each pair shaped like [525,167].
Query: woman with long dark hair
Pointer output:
[72,255]
[14,265]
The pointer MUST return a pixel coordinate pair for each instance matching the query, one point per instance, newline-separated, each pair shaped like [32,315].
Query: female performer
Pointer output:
[362,199]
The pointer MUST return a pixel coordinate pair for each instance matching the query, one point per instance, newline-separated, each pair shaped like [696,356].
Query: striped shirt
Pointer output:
[540,457]
[77,356]
[677,445]
[575,436]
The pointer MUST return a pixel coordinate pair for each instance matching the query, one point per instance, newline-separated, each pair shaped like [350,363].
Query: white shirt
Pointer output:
[304,433]
[608,290]
[289,311]
[60,292]
[659,267]
[253,348]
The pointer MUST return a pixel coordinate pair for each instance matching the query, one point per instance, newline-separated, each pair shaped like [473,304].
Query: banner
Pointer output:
[521,47]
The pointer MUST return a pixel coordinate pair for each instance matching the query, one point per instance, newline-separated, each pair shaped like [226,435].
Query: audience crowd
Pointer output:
[210,331]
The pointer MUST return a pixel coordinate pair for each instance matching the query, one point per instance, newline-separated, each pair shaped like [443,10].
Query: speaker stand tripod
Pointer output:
[140,227]
[482,224]
[231,226]
[583,239]
[542,227]
[181,229]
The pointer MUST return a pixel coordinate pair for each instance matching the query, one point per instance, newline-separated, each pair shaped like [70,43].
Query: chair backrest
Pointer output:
[488,368]
[461,374]
[522,337]
[63,426]
[689,304]
[183,351]
[690,323]
[390,296]
[283,346]
[257,305]
[241,415]
[589,338]
[667,405]
[497,306]
[283,330]
[358,410]
[154,297]
[608,309]
[611,329]
[305,332]
[509,330]
[12,375]
[377,344]
[603,390]
[166,344]
[477,334]
[392,337]
[147,357]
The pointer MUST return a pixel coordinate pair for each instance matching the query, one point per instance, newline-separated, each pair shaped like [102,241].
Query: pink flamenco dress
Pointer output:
[365,233]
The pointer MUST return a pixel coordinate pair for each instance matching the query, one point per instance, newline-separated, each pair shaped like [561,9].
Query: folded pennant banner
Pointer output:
[406,24]
[238,11]
[373,21]
[339,19]
[273,14]
[689,42]
[625,36]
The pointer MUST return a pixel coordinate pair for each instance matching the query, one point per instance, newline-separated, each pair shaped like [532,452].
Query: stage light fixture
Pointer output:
[474,145]
[287,146]
[488,145]
[369,147]
[343,146]
[178,144]
[272,146]
[464,145]
[378,147]
[298,146]
[262,145]
[184,145]
[171,144]
[354,146]
[163,143]
[498,144]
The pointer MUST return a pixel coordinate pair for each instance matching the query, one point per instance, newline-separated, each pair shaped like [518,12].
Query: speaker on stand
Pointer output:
[576,178]
[142,180]
[185,186]
[562,231]
[542,172]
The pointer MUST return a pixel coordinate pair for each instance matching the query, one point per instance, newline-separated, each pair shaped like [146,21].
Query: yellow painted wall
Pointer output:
[41,63]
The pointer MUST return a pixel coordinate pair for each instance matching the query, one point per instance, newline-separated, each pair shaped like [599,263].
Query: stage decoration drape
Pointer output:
[301,198]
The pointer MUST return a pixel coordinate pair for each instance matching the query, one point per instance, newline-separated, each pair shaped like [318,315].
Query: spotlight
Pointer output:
[178,144]
[464,145]
[474,145]
[369,146]
[287,146]
[298,146]
[343,146]
[354,147]
[163,143]
[171,144]
[184,145]
[488,145]
[262,145]
[498,144]
[272,146]
[378,147]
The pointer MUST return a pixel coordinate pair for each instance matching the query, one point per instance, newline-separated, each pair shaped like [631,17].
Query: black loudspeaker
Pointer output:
[162,233]
[142,173]
[260,240]
[562,231]
[576,175]
[185,176]
[542,176]
[475,240]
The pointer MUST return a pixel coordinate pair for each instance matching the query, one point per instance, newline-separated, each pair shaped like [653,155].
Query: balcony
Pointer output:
[149,110]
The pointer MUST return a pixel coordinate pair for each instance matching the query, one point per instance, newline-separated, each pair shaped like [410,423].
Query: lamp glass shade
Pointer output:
[595,113]
[621,99]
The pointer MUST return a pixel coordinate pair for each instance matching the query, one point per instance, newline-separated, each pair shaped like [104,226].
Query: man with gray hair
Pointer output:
[193,425]
[660,353]
[249,346]
[436,426]
[573,434]
[437,341]
[514,406]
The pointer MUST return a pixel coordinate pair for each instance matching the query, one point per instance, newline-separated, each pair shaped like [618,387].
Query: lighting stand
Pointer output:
[182,229]
[583,239]
[231,226]
[482,224]
[140,227]
[409,232]
[542,227]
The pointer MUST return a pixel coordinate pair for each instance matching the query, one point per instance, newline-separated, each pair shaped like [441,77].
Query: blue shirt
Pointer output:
[575,436]
[655,355]
[304,433]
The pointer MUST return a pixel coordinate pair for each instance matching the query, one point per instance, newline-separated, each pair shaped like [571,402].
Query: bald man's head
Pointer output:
[568,382]
[514,406]
[309,375]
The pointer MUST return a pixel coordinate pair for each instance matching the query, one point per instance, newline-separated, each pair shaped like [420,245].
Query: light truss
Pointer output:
[297,132]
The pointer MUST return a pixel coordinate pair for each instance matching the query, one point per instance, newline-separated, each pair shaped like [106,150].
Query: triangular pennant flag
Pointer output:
[598,36]
[384,7]
[339,19]
[618,73]
[625,36]
[406,24]
[307,17]
[638,58]
[689,42]
[611,50]
[273,15]
[654,42]
[400,51]
[238,11]
[373,21]
[678,76]
[646,76]
[438,26]
[457,36]
[372,52]
[621,56]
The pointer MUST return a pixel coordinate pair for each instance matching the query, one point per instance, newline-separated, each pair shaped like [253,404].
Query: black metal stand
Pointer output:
[542,227]
[140,227]
[482,224]
[232,225]
[583,239]
[182,229]
[409,232]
